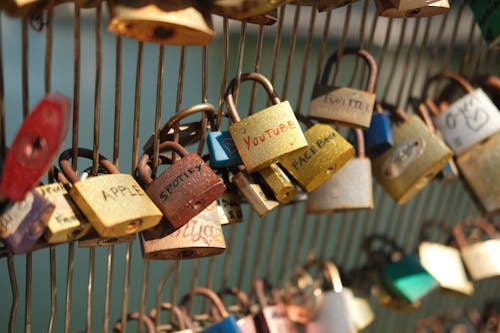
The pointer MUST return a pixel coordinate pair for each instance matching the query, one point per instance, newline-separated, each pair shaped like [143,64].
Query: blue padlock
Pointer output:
[378,137]
[223,153]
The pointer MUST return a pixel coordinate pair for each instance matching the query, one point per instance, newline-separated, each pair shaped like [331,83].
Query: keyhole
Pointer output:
[75,233]
[186,254]
[133,226]
[35,229]
[330,170]
[413,12]
[107,241]
[197,205]
[162,32]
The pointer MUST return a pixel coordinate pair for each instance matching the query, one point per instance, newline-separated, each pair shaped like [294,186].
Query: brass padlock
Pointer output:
[113,203]
[253,193]
[416,158]
[229,203]
[175,22]
[201,237]
[67,223]
[279,183]
[349,189]
[326,154]
[442,261]
[387,8]
[479,166]
[481,259]
[266,136]
[345,106]
[243,10]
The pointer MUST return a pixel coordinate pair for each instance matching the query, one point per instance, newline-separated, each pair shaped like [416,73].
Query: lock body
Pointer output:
[115,204]
[479,167]
[173,22]
[481,259]
[416,158]
[274,319]
[229,206]
[360,311]
[92,239]
[222,151]
[243,10]
[185,189]
[350,188]
[387,8]
[468,121]
[445,265]
[88,3]
[22,223]
[324,5]
[326,153]
[246,325]
[345,106]
[378,137]
[201,237]
[334,315]
[267,136]
[279,183]
[67,223]
[253,193]
[405,5]
[408,279]
[228,324]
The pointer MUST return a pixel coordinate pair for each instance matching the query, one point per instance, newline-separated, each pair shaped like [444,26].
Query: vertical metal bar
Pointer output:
[360,41]
[90,290]
[493,57]
[97,93]
[321,52]
[384,49]
[305,61]
[406,67]
[126,284]
[478,56]
[137,106]
[27,310]
[180,86]
[227,258]
[204,71]
[241,56]
[15,294]
[277,43]
[69,287]
[53,290]
[159,98]
[446,59]
[437,44]
[248,231]
[25,66]
[288,241]
[301,248]
[109,279]
[159,291]
[224,70]
[175,285]
[370,44]
[326,236]
[194,283]
[144,290]
[274,241]
[314,240]
[466,55]
[258,57]
[340,51]
[396,58]
[258,249]
[291,53]
[118,100]
[76,86]
[3,144]
[48,49]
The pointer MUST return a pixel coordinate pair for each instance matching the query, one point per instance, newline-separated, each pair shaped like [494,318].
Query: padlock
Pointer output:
[491,85]
[229,203]
[479,166]
[35,146]
[481,259]
[225,322]
[387,8]
[135,316]
[201,237]
[450,171]
[25,7]
[467,121]
[223,153]
[268,18]
[487,14]
[184,189]
[182,322]
[174,22]
[360,310]
[67,223]
[278,182]
[345,106]
[244,10]
[406,5]
[114,203]
[241,310]
[378,137]
[350,188]
[416,158]
[253,192]
[442,261]
[322,5]
[272,318]
[22,223]
[325,155]
[266,136]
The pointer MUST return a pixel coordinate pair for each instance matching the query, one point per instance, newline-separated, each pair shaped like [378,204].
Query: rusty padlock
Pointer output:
[114,203]
[387,8]
[201,237]
[416,158]
[345,106]
[326,154]
[350,188]
[176,22]
[266,136]
[183,190]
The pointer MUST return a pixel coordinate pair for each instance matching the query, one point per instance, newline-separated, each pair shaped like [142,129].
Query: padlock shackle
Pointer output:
[240,296]
[365,55]
[148,323]
[210,294]
[397,112]
[360,141]
[143,171]
[260,285]
[304,120]
[183,320]
[453,77]
[330,271]
[231,90]
[458,229]
[423,111]
[68,171]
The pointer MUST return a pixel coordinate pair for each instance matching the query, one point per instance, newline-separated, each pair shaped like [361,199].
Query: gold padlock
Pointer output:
[415,159]
[229,203]
[268,18]
[201,237]
[479,166]
[266,136]
[387,8]
[326,153]
[244,10]
[175,22]
[279,183]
